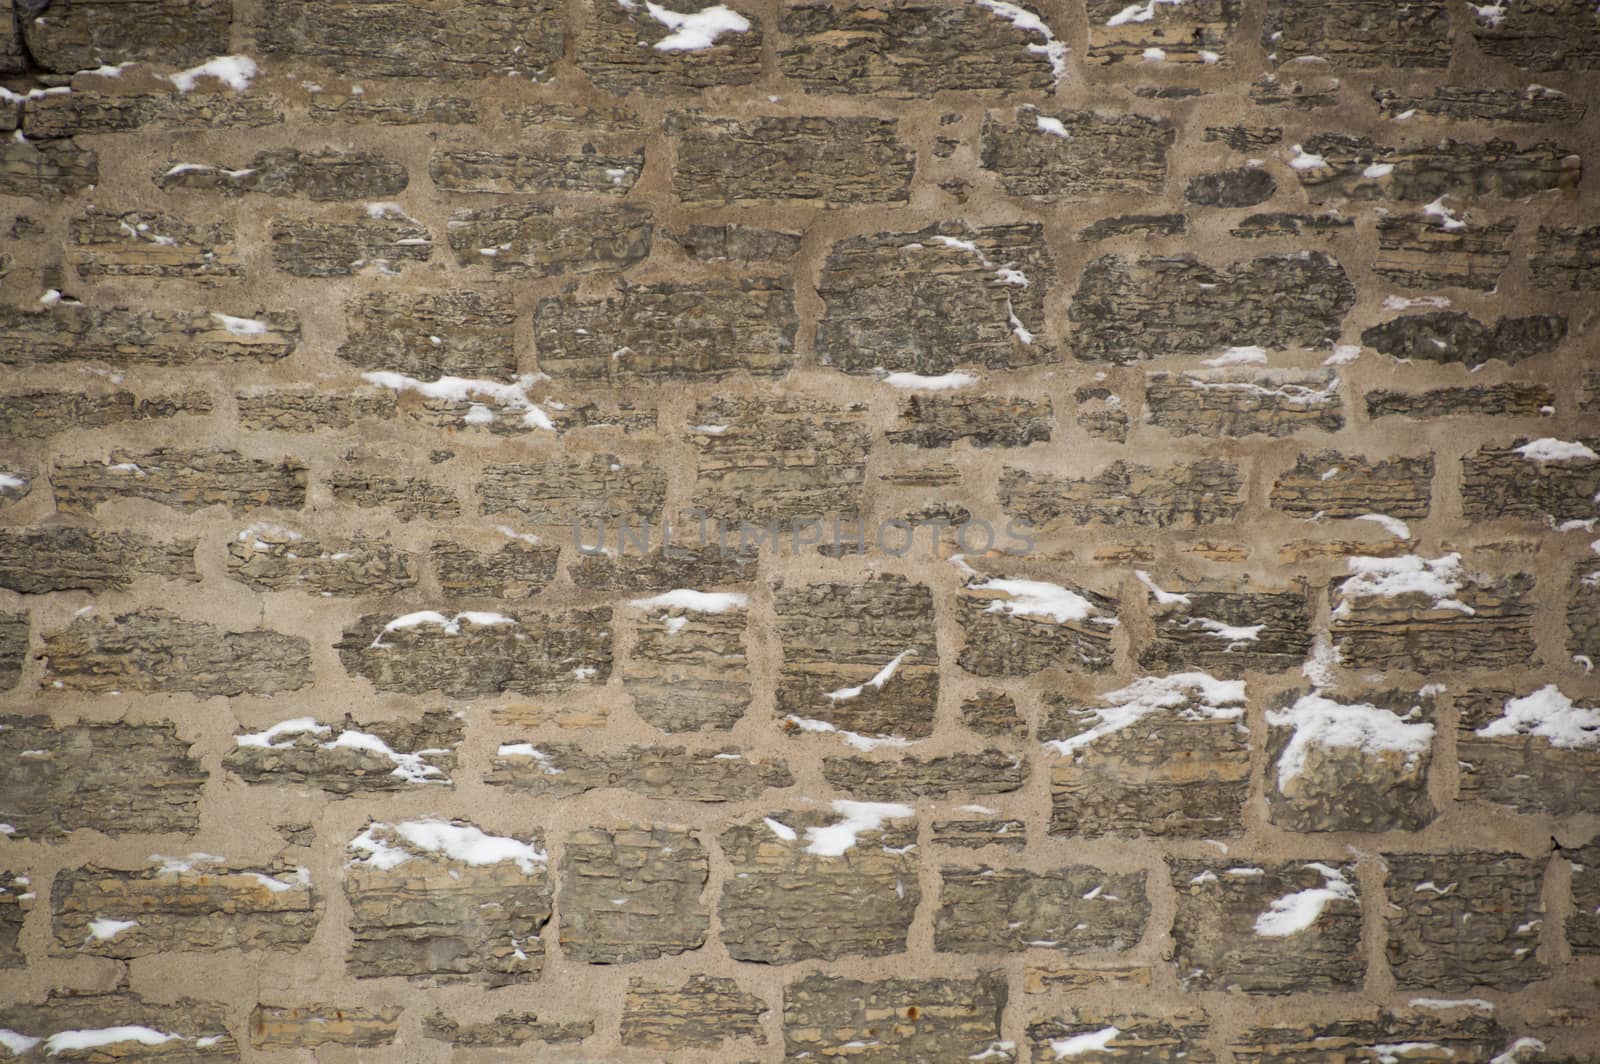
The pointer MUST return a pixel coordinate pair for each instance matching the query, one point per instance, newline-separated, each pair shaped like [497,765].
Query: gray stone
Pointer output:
[632,894]
[1464,919]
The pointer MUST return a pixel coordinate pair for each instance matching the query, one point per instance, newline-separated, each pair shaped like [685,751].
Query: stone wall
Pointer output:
[1261,335]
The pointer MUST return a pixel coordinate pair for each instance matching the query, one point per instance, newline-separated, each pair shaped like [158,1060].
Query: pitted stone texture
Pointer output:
[1216,942]
[46,168]
[85,34]
[930,301]
[405,498]
[310,1027]
[1413,632]
[469,656]
[189,1023]
[149,245]
[1360,34]
[1493,400]
[1566,257]
[41,414]
[128,337]
[1234,404]
[1583,926]
[1500,481]
[1334,484]
[1422,251]
[781,903]
[111,778]
[821,162]
[1244,138]
[633,894]
[429,914]
[415,39]
[1463,103]
[1101,154]
[542,172]
[323,175]
[516,570]
[396,111]
[704,1012]
[183,480]
[674,773]
[737,243]
[1583,613]
[860,657]
[268,558]
[894,1020]
[158,651]
[80,112]
[1183,33]
[688,670]
[1464,920]
[773,458]
[1076,909]
[984,772]
[61,558]
[526,241]
[1531,773]
[685,561]
[458,332]
[1467,1033]
[1178,1037]
[381,241]
[505,1030]
[1451,336]
[1427,172]
[1228,632]
[13,648]
[1244,186]
[656,333]
[625,49]
[913,48]
[569,490]
[350,758]
[1142,224]
[993,713]
[1343,778]
[1283,224]
[185,906]
[1559,35]
[1005,638]
[13,912]
[1208,491]
[1126,311]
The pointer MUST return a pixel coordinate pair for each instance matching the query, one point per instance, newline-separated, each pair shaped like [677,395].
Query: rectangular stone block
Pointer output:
[688,670]
[1468,1033]
[310,1027]
[1566,257]
[265,557]
[1469,103]
[765,459]
[384,240]
[91,33]
[1334,484]
[86,112]
[183,480]
[1177,33]
[1360,34]
[302,410]
[1427,251]
[516,570]
[1141,224]
[405,498]
[1020,627]
[675,773]
[1179,1037]
[457,332]
[820,162]
[350,758]
[569,491]
[532,240]
[1206,492]
[704,1012]
[1583,614]
[896,1019]
[1076,155]
[737,243]
[395,111]
[626,49]
[46,168]
[1562,35]
[1464,919]
[1583,926]
[975,834]
[1451,336]
[987,771]
[1341,166]
[509,1029]
[1046,978]
[632,894]
[1493,400]
[543,172]
[132,337]
[676,562]
[1534,753]
[150,245]
[42,414]
[323,175]
[62,558]
[1075,909]
[119,1026]
[1228,632]
[1234,404]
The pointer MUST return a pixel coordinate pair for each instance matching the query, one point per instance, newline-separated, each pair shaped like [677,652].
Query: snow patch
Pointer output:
[834,839]
[240,326]
[780,829]
[884,675]
[457,842]
[451,625]
[1447,220]
[696,31]
[100,1037]
[1239,356]
[234,71]
[1052,49]
[1547,449]
[1163,598]
[917,383]
[1393,525]
[1037,598]
[1089,1042]
[696,601]
[1438,578]
[1551,716]
[1477,1004]
[1304,160]
[1138,12]
[1322,722]
[409,767]
[1294,913]
[866,743]
[1053,127]
[511,397]
[1199,695]
[102,928]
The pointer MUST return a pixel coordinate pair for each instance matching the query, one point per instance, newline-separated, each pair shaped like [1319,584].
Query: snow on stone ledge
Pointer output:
[457,842]
[1199,695]
[695,31]
[451,625]
[1052,49]
[409,767]
[858,817]
[694,601]
[915,382]
[1408,574]
[234,71]
[1294,913]
[1548,449]
[1550,715]
[1319,721]
[1038,598]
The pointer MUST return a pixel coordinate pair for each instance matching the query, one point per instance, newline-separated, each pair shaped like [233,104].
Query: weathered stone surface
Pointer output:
[1044,978]
[322,175]
[415,39]
[1464,919]
[1244,138]
[671,331]
[688,670]
[989,421]
[993,713]
[985,772]
[737,243]
[911,48]
[1374,628]
[1422,251]
[1178,1037]
[309,1027]
[1583,613]
[1224,403]
[895,1019]
[1223,909]
[197,1030]
[1513,751]
[859,657]
[560,770]
[60,558]
[347,758]
[1305,93]
[269,558]
[674,565]
[1335,484]
[1472,1037]
[13,911]
[183,480]
[942,297]
[628,49]
[155,650]
[422,110]
[1178,768]
[1583,926]
[568,490]
[384,239]
[85,34]
[1147,225]
[111,778]
[184,905]
[46,168]
[1360,34]
[1075,909]
[974,834]
[438,900]
[1101,414]
[1229,632]
[1354,764]
[473,655]
[406,498]
[1013,629]
[1334,165]
[1243,186]
[1451,336]
[80,112]
[823,162]
[1566,257]
[123,336]
[632,894]
[793,894]
[1126,311]
[505,1030]
[44,413]
[150,245]
[13,648]
[531,240]
[298,410]
[1503,481]
[1465,103]
[1101,154]
[1281,224]
[516,570]
[1179,33]
[1184,496]
[704,1012]
[1559,35]
[1493,400]
[767,458]
[457,332]
[535,171]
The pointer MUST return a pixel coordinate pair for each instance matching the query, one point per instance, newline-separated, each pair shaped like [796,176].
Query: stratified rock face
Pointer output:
[1333,484]
[1229,633]
[1267,929]
[977,833]
[703,1012]
[1077,909]
[1231,404]
[1020,627]
[1244,186]
[309,1027]
[896,1019]
[193,1030]
[560,770]
[545,171]
[1175,1038]
[80,112]
[1196,32]
[407,498]
[1567,257]
[986,772]
[127,337]
[1464,919]
[1468,1032]
[458,332]
[1076,155]
[822,162]
[1205,492]
[1483,623]
[516,570]
[183,480]
[632,894]
[1127,311]
[322,175]
[1423,251]
[112,778]
[626,49]
[530,240]
[1560,35]
[815,884]
[1514,750]
[1524,479]
[350,758]
[1583,613]
[568,491]
[1583,926]
[1360,34]
[1450,336]
[89,33]
[268,558]
[42,414]
[13,911]
[1507,400]
[48,168]
[151,245]
[688,670]
[1534,104]
[37,560]
[505,1030]
[763,459]
[442,900]
[1335,165]
[382,240]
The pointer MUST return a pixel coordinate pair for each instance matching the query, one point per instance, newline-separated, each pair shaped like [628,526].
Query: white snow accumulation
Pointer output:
[457,842]
[1088,1042]
[1293,913]
[1037,598]
[410,767]
[510,397]
[1052,49]
[1437,578]
[857,817]
[1197,695]
[695,31]
[234,71]
[695,601]
[943,382]
[883,676]
[1553,450]
[1322,722]
[451,625]
[1550,715]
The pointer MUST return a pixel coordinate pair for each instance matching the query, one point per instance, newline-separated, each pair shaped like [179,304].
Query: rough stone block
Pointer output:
[1244,186]
[85,34]
[1076,909]
[1464,919]
[507,1030]
[633,894]
[1179,1037]
[1179,33]
[542,172]
[984,772]
[975,834]
[302,410]
[1467,1033]
[126,337]
[350,758]
[183,1031]
[384,239]
[533,240]
[1360,34]
[13,648]
[323,175]
[406,498]
[516,570]
[627,49]
[268,558]
[80,112]
[822,162]
[1529,752]
[1076,155]
[61,558]
[1020,627]
[688,670]
[568,491]
[896,1019]
[675,773]
[183,480]
[1334,484]
[1426,251]
[1451,336]
[1493,400]
[993,713]
[1482,623]
[771,458]
[1338,165]
[1228,632]
[1583,926]
[1224,403]
[150,245]
[457,332]
[1566,257]
[737,243]
[1546,479]
[704,1012]
[1469,103]
[154,650]
[1533,35]
[1206,492]
[41,414]
[46,168]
